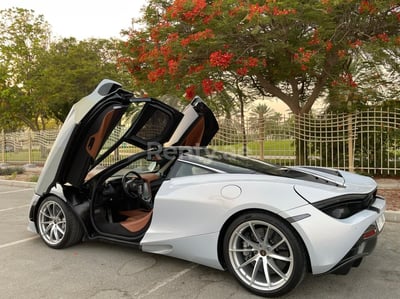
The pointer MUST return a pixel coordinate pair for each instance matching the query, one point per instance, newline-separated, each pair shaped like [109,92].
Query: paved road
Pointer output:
[29,269]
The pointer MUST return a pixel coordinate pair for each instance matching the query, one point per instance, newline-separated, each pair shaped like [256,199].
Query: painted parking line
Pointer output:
[14,208]
[17,242]
[15,191]
[166,281]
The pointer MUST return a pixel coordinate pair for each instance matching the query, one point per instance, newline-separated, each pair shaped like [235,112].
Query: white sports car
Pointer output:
[266,224]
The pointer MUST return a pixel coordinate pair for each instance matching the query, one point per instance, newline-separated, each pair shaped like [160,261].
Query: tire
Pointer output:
[264,254]
[57,224]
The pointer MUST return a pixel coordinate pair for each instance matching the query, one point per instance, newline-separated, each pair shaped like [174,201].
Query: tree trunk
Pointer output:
[261,132]
[243,125]
[301,152]
[3,150]
[300,142]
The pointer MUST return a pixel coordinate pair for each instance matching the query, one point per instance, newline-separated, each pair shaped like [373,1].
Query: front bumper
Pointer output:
[32,227]
[32,212]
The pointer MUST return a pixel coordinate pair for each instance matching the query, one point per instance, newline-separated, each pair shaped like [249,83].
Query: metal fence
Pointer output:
[366,141]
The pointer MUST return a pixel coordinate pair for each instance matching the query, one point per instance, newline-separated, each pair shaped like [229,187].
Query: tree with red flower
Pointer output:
[287,49]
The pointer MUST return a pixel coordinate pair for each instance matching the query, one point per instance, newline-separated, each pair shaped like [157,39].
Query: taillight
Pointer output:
[369,233]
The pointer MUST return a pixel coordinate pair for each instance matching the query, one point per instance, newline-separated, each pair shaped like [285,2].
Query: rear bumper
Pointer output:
[364,246]
[333,243]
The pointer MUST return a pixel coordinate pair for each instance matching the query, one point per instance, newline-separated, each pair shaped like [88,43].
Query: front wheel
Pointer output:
[58,226]
[264,254]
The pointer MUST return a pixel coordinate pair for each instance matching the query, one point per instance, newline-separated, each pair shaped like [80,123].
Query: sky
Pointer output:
[83,18]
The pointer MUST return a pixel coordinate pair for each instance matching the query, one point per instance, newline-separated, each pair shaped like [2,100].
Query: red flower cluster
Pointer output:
[356,44]
[221,59]
[250,62]
[341,53]
[242,71]
[165,51]
[234,11]
[188,9]
[303,57]
[315,39]
[152,54]
[172,66]
[257,9]
[283,12]
[155,32]
[215,11]
[190,92]
[201,35]
[153,76]
[345,79]
[366,7]
[198,7]
[173,36]
[383,37]
[219,86]
[328,46]
[195,68]
[348,79]
[210,86]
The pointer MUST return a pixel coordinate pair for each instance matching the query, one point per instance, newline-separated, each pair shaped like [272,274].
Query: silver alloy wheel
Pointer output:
[52,222]
[261,255]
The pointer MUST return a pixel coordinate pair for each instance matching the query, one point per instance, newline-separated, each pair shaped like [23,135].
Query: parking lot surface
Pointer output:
[29,269]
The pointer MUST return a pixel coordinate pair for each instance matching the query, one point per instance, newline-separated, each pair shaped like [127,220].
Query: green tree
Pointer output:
[40,80]
[372,79]
[72,68]
[293,50]
[23,38]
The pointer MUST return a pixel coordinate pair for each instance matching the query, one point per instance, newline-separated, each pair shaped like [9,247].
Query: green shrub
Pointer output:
[34,178]
[11,170]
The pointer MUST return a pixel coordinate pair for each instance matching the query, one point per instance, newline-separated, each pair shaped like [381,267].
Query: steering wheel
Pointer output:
[137,188]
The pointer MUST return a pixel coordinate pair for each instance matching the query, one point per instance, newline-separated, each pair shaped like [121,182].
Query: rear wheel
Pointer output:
[264,254]
[58,226]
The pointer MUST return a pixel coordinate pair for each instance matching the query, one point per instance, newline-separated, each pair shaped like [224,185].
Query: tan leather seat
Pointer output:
[137,219]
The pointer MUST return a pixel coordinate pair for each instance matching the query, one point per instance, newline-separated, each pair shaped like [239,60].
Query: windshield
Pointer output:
[231,163]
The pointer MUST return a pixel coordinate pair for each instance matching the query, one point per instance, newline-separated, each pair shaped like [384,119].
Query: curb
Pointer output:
[390,216]
[388,183]
[17,184]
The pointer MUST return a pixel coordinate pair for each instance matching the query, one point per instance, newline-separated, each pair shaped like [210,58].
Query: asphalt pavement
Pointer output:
[29,269]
